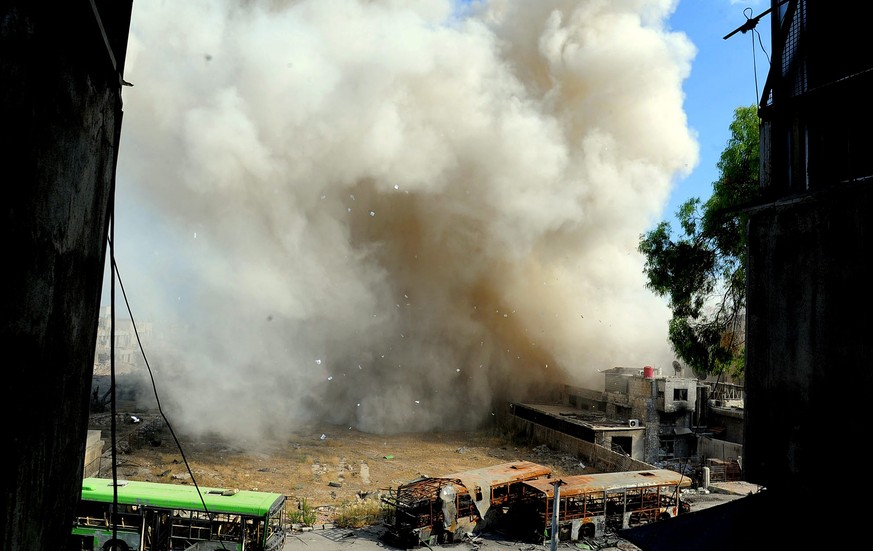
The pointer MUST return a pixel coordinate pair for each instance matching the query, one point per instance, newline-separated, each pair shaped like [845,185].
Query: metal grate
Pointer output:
[793,59]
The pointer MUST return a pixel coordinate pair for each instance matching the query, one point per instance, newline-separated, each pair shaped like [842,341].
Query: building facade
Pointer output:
[808,336]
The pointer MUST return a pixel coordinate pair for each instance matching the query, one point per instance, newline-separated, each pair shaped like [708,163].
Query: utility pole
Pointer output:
[555,510]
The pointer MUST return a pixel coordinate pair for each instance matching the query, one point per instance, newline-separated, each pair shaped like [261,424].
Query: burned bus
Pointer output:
[444,509]
[590,505]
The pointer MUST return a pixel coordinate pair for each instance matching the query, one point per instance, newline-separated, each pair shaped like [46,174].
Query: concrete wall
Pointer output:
[731,419]
[667,400]
[93,453]
[598,457]
[638,440]
[718,449]
[582,398]
[60,107]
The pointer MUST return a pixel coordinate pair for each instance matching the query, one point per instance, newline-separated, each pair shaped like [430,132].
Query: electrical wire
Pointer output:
[115,274]
[752,24]
[112,427]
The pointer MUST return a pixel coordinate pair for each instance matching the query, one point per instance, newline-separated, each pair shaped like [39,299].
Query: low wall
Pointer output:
[710,448]
[93,452]
[593,455]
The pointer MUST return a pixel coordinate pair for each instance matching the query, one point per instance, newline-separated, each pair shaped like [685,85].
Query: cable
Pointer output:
[763,49]
[751,24]
[756,34]
[115,273]
[112,427]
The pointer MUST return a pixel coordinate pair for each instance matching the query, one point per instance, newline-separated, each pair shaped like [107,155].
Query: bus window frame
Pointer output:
[162,521]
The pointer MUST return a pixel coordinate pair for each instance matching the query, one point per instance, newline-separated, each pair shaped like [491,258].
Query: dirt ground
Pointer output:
[327,466]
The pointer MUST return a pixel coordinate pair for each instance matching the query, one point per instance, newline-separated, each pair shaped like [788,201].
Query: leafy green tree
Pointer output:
[702,271]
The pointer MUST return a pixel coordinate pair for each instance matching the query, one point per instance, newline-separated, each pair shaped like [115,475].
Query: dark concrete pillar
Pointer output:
[60,107]
[809,345]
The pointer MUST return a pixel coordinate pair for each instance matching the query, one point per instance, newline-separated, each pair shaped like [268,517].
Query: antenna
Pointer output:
[751,22]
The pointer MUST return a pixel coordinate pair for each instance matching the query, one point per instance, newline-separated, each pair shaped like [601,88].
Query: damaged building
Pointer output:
[640,414]
[119,341]
[720,431]
[807,354]
[641,419]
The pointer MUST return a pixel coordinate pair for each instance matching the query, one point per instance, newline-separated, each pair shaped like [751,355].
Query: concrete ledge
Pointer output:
[314,527]
[737,487]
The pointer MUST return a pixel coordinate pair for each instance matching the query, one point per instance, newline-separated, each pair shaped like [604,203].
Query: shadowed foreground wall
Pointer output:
[60,107]
[809,350]
[808,343]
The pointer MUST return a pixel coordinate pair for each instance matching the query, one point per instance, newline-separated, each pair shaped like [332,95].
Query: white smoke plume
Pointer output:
[394,214]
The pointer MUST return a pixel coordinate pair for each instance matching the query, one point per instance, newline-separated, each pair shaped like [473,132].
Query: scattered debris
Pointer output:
[563,461]
[365,473]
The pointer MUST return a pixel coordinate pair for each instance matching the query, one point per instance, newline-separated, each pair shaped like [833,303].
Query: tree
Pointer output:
[703,271]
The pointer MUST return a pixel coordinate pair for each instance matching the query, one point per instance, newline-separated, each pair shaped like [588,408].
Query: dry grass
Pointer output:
[360,514]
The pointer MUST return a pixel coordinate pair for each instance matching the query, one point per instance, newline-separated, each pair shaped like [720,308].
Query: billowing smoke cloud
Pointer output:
[394,214]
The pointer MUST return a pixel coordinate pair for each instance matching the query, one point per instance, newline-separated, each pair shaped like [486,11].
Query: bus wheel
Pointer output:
[115,545]
[664,516]
[587,530]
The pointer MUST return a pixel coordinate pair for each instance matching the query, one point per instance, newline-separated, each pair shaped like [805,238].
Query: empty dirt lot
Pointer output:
[327,466]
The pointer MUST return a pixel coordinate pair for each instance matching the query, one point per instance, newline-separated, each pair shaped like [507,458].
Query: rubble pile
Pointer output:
[569,464]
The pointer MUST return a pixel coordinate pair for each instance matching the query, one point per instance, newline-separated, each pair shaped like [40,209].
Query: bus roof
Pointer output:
[182,496]
[503,473]
[515,471]
[600,482]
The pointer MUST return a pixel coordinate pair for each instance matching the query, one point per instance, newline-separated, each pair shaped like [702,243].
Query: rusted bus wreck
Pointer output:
[591,505]
[444,509]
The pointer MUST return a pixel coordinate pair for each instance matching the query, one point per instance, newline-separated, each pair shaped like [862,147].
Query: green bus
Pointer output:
[154,516]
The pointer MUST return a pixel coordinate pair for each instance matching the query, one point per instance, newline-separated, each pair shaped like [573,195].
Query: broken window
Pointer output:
[622,444]
[667,447]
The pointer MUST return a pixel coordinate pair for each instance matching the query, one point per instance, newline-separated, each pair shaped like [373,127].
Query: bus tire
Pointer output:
[588,530]
[115,545]
[664,516]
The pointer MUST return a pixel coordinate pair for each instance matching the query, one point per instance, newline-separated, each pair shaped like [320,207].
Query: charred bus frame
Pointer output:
[589,505]
[441,509]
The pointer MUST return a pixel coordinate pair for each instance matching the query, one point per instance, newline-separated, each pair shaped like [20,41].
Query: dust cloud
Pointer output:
[393,214]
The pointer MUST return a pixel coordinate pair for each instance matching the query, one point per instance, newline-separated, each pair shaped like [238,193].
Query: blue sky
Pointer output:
[722,79]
